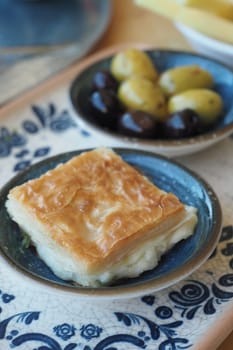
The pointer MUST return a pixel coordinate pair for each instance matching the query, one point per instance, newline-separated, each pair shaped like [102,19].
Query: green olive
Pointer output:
[179,79]
[141,94]
[206,103]
[133,62]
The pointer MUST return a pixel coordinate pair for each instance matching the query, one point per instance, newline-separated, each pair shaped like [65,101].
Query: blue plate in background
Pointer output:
[163,60]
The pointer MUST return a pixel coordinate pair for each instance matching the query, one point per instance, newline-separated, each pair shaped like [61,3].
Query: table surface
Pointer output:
[130,24]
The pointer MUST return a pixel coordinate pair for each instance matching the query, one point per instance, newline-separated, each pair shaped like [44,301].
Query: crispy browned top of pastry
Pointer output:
[97,206]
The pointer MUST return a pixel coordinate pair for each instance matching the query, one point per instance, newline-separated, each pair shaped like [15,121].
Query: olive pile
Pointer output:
[133,99]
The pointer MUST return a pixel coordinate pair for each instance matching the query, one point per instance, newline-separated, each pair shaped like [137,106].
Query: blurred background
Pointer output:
[38,38]
[41,37]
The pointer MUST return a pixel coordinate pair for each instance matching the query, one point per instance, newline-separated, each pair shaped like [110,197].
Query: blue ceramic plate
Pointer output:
[163,60]
[180,261]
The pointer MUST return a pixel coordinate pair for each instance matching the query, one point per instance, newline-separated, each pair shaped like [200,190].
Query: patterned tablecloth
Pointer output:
[195,313]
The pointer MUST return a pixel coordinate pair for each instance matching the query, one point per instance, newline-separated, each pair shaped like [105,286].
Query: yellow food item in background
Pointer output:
[138,93]
[203,21]
[222,8]
[133,62]
[181,78]
[206,103]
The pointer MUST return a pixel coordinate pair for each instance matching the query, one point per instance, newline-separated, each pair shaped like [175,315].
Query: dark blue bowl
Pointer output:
[180,261]
[163,60]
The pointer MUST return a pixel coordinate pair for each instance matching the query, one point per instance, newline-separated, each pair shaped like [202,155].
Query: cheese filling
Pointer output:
[145,255]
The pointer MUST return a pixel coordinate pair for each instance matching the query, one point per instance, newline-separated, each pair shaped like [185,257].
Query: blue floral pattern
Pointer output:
[160,328]
[42,118]
[9,140]
[90,331]
[56,121]
[156,330]
[160,325]
[64,331]
[195,295]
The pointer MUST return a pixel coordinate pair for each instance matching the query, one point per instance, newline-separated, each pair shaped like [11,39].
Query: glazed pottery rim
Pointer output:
[222,45]
[140,288]
[219,133]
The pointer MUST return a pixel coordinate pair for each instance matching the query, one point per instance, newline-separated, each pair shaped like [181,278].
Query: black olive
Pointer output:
[181,124]
[137,124]
[105,107]
[104,80]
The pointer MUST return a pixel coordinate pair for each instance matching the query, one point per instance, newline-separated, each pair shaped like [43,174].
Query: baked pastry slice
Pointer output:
[95,218]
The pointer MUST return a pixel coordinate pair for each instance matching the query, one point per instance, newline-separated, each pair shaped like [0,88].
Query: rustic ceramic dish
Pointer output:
[179,262]
[163,60]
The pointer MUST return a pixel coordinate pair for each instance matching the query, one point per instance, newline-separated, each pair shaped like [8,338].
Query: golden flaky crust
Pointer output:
[96,206]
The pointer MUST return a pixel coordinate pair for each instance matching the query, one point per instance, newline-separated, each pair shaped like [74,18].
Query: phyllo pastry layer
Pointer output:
[95,218]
